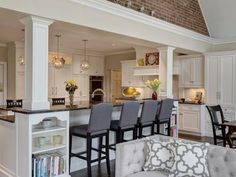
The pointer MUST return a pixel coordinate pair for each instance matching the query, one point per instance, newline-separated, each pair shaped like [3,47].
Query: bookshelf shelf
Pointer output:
[37,131]
[48,148]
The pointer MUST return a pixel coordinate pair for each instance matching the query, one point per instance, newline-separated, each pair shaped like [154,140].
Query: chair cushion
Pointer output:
[82,130]
[115,125]
[190,159]
[149,174]
[159,155]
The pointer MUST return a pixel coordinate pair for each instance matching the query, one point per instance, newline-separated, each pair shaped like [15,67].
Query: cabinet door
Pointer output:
[198,72]
[51,81]
[227,80]
[180,123]
[127,73]
[76,62]
[212,80]
[82,94]
[61,75]
[186,72]
[96,65]
[191,121]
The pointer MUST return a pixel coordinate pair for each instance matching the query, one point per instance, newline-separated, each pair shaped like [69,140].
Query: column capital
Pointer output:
[170,48]
[35,19]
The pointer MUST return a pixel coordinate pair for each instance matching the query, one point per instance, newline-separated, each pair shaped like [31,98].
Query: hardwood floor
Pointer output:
[102,172]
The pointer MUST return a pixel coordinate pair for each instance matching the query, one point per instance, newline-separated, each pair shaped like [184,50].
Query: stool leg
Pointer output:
[100,139]
[89,150]
[158,128]
[140,131]
[168,133]
[70,150]
[152,129]
[107,154]
[135,133]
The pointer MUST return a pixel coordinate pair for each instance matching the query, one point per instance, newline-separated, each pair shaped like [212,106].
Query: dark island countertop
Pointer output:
[55,108]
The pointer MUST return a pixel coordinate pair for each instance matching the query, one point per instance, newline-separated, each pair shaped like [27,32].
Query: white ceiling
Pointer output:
[72,36]
[220,17]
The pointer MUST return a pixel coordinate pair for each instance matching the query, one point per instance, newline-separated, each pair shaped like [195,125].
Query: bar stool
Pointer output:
[58,101]
[148,116]
[98,127]
[164,114]
[127,122]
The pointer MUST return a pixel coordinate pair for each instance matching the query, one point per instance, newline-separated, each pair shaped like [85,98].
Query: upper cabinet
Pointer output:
[128,78]
[192,72]
[96,65]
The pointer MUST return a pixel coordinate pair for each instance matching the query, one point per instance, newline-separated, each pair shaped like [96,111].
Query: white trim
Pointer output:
[5,80]
[143,18]
[120,52]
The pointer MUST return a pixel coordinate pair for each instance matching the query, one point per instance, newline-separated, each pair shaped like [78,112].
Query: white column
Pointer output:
[166,71]
[36,62]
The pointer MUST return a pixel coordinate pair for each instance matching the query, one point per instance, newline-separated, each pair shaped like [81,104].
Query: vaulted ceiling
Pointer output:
[220,17]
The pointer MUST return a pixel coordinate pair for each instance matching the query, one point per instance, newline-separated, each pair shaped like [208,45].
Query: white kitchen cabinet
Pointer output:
[96,65]
[191,119]
[15,71]
[128,78]
[56,79]
[82,94]
[192,72]
[220,83]
[76,64]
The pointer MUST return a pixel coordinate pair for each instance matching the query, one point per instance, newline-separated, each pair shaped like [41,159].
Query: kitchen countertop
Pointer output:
[8,118]
[192,103]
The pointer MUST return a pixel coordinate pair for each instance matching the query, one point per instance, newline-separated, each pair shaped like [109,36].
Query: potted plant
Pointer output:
[71,86]
[153,85]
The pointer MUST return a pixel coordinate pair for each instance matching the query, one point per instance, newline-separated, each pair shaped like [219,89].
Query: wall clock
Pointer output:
[152,58]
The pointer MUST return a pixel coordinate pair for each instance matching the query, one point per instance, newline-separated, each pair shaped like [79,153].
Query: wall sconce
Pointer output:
[153,13]
[21,60]
[142,9]
[129,4]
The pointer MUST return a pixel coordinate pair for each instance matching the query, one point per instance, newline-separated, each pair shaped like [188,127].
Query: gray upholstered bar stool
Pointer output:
[98,127]
[164,114]
[148,116]
[127,122]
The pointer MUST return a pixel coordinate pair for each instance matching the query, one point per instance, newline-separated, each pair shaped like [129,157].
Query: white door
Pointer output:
[3,86]
[227,80]
[212,80]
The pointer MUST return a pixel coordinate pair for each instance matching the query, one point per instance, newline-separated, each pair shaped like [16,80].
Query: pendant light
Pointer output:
[57,61]
[85,64]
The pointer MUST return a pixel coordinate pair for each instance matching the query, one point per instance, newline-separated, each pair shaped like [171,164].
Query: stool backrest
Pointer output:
[149,111]
[165,110]
[100,117]
[58,101]
[129,114]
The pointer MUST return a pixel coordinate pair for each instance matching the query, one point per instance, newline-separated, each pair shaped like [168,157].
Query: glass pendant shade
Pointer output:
[85,64]
[57,61]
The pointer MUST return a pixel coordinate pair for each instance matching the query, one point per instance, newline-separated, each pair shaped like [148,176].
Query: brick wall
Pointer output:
[185,13]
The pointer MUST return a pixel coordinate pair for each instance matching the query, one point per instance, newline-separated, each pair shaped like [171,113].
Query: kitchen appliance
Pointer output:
[96,83]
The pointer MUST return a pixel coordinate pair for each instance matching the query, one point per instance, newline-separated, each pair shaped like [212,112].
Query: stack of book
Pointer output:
[48,165]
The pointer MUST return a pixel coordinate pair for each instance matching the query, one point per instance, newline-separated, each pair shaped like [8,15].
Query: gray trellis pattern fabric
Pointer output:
[190,160]
[159,156]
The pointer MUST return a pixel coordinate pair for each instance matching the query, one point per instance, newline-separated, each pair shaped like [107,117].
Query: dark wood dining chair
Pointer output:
[217,119]
[58,101]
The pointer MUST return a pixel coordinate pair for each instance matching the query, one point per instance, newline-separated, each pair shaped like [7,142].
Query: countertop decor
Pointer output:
[71,87]
[153,85]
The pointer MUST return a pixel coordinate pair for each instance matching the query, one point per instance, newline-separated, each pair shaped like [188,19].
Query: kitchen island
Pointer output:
[18,137]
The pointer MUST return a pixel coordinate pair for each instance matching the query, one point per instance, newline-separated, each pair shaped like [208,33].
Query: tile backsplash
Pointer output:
[190,93]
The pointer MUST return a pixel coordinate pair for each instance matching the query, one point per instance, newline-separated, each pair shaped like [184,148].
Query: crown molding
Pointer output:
[119,52]
[131,14]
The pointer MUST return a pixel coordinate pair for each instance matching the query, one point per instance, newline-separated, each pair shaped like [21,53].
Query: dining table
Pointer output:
[231,125]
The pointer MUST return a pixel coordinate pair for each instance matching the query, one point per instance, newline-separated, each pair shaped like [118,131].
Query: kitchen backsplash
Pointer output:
[190,93]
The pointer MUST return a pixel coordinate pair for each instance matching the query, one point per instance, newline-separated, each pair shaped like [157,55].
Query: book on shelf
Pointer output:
[48,164]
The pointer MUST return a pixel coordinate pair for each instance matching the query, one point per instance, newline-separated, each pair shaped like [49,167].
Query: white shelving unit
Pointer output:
[28,144]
